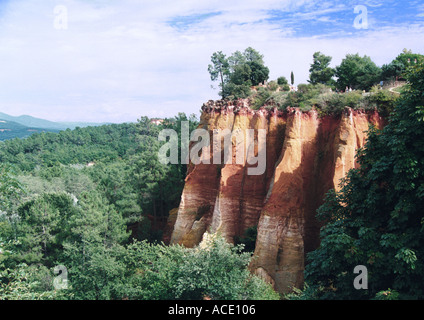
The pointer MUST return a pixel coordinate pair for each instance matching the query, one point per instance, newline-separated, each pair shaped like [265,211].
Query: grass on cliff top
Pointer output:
[322,98]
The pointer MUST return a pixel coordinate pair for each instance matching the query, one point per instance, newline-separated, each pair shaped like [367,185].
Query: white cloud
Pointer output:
[120,60]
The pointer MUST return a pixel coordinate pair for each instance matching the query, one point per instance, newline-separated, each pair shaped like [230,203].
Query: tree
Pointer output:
[320,72]
[10,188]
[94,248]
[408,59]
[238,72]
[393,70]
[219,68]
[357,72]
[216,270]
[37,233]
[248,68]
[23,283]
[377,218]
[259,72]
[397,68]
[292,78]
[282,81]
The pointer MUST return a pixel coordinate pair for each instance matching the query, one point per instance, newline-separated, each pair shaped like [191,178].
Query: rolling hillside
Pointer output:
[23,126]
[34,122]
[10,130]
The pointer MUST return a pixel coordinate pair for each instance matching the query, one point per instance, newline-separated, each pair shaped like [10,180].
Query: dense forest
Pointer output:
[84,210]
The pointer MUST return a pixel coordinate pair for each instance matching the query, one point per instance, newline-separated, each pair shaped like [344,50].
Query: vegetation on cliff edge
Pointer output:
[377,219]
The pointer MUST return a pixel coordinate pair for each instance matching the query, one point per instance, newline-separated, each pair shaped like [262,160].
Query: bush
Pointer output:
[248,240]
[260,98]
[27,283]
[383,100]
[325,100]
[352,99]
[236,91]
[285,87]
[272,86]
[215,270]
[282,81]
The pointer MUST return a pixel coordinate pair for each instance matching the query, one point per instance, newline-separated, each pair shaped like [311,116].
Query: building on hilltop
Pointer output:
[156,121]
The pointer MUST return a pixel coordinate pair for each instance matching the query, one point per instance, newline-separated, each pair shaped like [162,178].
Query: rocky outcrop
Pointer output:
[306,155]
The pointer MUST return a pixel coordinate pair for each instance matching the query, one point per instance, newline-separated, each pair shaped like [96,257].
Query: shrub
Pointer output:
[217,270]
[259,99]
[272,86]
[282,81]
[352,99]
[285,87]
[234,91]
[383,100]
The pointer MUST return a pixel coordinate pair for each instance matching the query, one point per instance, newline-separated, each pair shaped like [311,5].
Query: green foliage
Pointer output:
[325,100]
[217,271]
[238,72]
[383,100]
[236,91]
[92,251]
[377,218]
[79,146]
[282,81]
[248,240]
[10,130]
[10,187]
[78,216]
[357,72]
[260,98]
[42,227]
[396,69]
[393,70]
[320,72]
[123,167]
[272,86]
[26,283]
[219,68]
[387,295]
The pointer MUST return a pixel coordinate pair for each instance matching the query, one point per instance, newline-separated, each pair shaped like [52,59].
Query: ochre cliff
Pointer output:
[306,155]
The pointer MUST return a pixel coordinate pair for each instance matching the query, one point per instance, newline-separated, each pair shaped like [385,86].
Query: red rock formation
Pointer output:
[305,157]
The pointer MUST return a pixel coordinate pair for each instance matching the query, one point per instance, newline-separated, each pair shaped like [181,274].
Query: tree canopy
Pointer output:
[320,72]
[92,203]
[377,219]
[357,72]
[238,72]
[396,69]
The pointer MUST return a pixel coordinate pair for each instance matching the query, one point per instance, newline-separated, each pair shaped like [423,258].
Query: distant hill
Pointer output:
[34,122]
[23,126]
[10,130]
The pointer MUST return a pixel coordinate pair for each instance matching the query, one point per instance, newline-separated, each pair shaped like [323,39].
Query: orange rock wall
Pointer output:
[306,155]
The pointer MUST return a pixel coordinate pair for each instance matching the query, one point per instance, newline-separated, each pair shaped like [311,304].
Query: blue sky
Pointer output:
[116,60]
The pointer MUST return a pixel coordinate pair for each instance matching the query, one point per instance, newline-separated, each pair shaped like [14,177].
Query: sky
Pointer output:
[118,60]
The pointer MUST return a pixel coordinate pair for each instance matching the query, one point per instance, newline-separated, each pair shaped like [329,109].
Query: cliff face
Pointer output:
[305,157]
